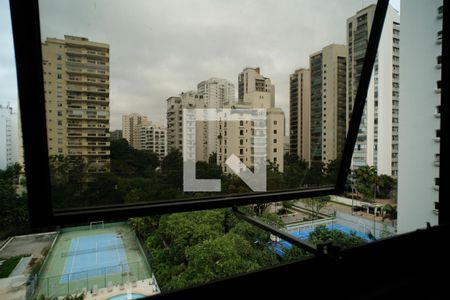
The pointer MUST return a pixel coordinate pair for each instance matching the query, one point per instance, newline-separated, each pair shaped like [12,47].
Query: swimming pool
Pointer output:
[125,296]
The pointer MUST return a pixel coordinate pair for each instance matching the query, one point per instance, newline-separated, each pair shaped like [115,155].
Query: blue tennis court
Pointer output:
[94,255]
[304,235]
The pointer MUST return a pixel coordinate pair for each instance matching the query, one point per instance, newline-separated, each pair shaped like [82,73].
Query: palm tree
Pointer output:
[390,212]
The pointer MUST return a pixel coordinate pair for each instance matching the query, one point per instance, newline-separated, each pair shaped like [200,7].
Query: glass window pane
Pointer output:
[119,94]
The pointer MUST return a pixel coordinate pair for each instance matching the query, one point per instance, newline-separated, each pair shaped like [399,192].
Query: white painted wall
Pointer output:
[418,99]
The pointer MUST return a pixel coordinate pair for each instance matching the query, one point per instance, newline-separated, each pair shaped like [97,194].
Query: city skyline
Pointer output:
[150,77]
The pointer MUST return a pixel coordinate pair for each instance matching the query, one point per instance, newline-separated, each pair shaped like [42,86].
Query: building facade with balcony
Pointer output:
[300,113]
[251,80]
[327,106]
[216,93]
[175,106]
[152,137]
[237,137]
[130,124]
[76,83]
[420,99]
[377,142]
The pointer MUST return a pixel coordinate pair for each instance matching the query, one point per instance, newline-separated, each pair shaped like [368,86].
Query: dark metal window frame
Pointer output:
[28,52]
[411,255]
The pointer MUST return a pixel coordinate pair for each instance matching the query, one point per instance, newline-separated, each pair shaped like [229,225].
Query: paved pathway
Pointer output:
[21,266]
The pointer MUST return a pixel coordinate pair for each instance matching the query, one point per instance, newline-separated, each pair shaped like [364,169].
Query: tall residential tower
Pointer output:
[300,113]
[420,99]
[377,143]
[76,82]
[328,92]
[130,124]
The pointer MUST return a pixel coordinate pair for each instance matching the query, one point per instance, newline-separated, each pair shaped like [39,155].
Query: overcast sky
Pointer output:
[161,48]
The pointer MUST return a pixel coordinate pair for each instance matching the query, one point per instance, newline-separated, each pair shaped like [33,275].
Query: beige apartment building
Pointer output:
[129,125]
[76,82]
[250,80]
[237,137]
[300,113]
[328,106]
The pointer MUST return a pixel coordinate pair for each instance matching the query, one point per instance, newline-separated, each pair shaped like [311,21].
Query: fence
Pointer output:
[377,229]
[78,282]
[309,225]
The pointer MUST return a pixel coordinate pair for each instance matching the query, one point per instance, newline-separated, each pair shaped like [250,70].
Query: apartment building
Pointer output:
[152,137]
[420,98]
[216,92]
[237,137]
[250,80]
[328,111]
[10,136]
[175,106]
[76,82]
[129,125]
[116,135]
[377,143]
[300,113]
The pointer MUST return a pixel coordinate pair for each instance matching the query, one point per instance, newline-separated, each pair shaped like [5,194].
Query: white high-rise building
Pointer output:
[216,93]
[377,143]
[152,137]
[420,78]
[9,137]
[175,106]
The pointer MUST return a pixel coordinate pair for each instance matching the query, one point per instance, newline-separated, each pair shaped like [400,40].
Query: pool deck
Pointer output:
[142,287]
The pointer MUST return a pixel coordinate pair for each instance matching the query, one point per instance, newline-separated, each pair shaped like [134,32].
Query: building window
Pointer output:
[274,141]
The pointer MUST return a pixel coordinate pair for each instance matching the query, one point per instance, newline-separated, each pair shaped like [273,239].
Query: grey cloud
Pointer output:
[161,48]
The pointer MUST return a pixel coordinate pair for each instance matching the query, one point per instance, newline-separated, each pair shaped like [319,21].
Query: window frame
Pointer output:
[29,64]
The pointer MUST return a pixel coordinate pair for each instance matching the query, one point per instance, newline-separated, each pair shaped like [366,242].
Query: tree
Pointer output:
[390,212]
[386,186]
[322,235]
[316,204]
[366,182]
[127,161]
[68,180]
[274,177]
[220,257]
[316,174]
[191,248]
[295,170]
[332,171]
[172,169]
[14,216]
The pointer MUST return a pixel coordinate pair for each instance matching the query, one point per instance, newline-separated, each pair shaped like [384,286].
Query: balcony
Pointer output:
[81,71]
[104,100]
